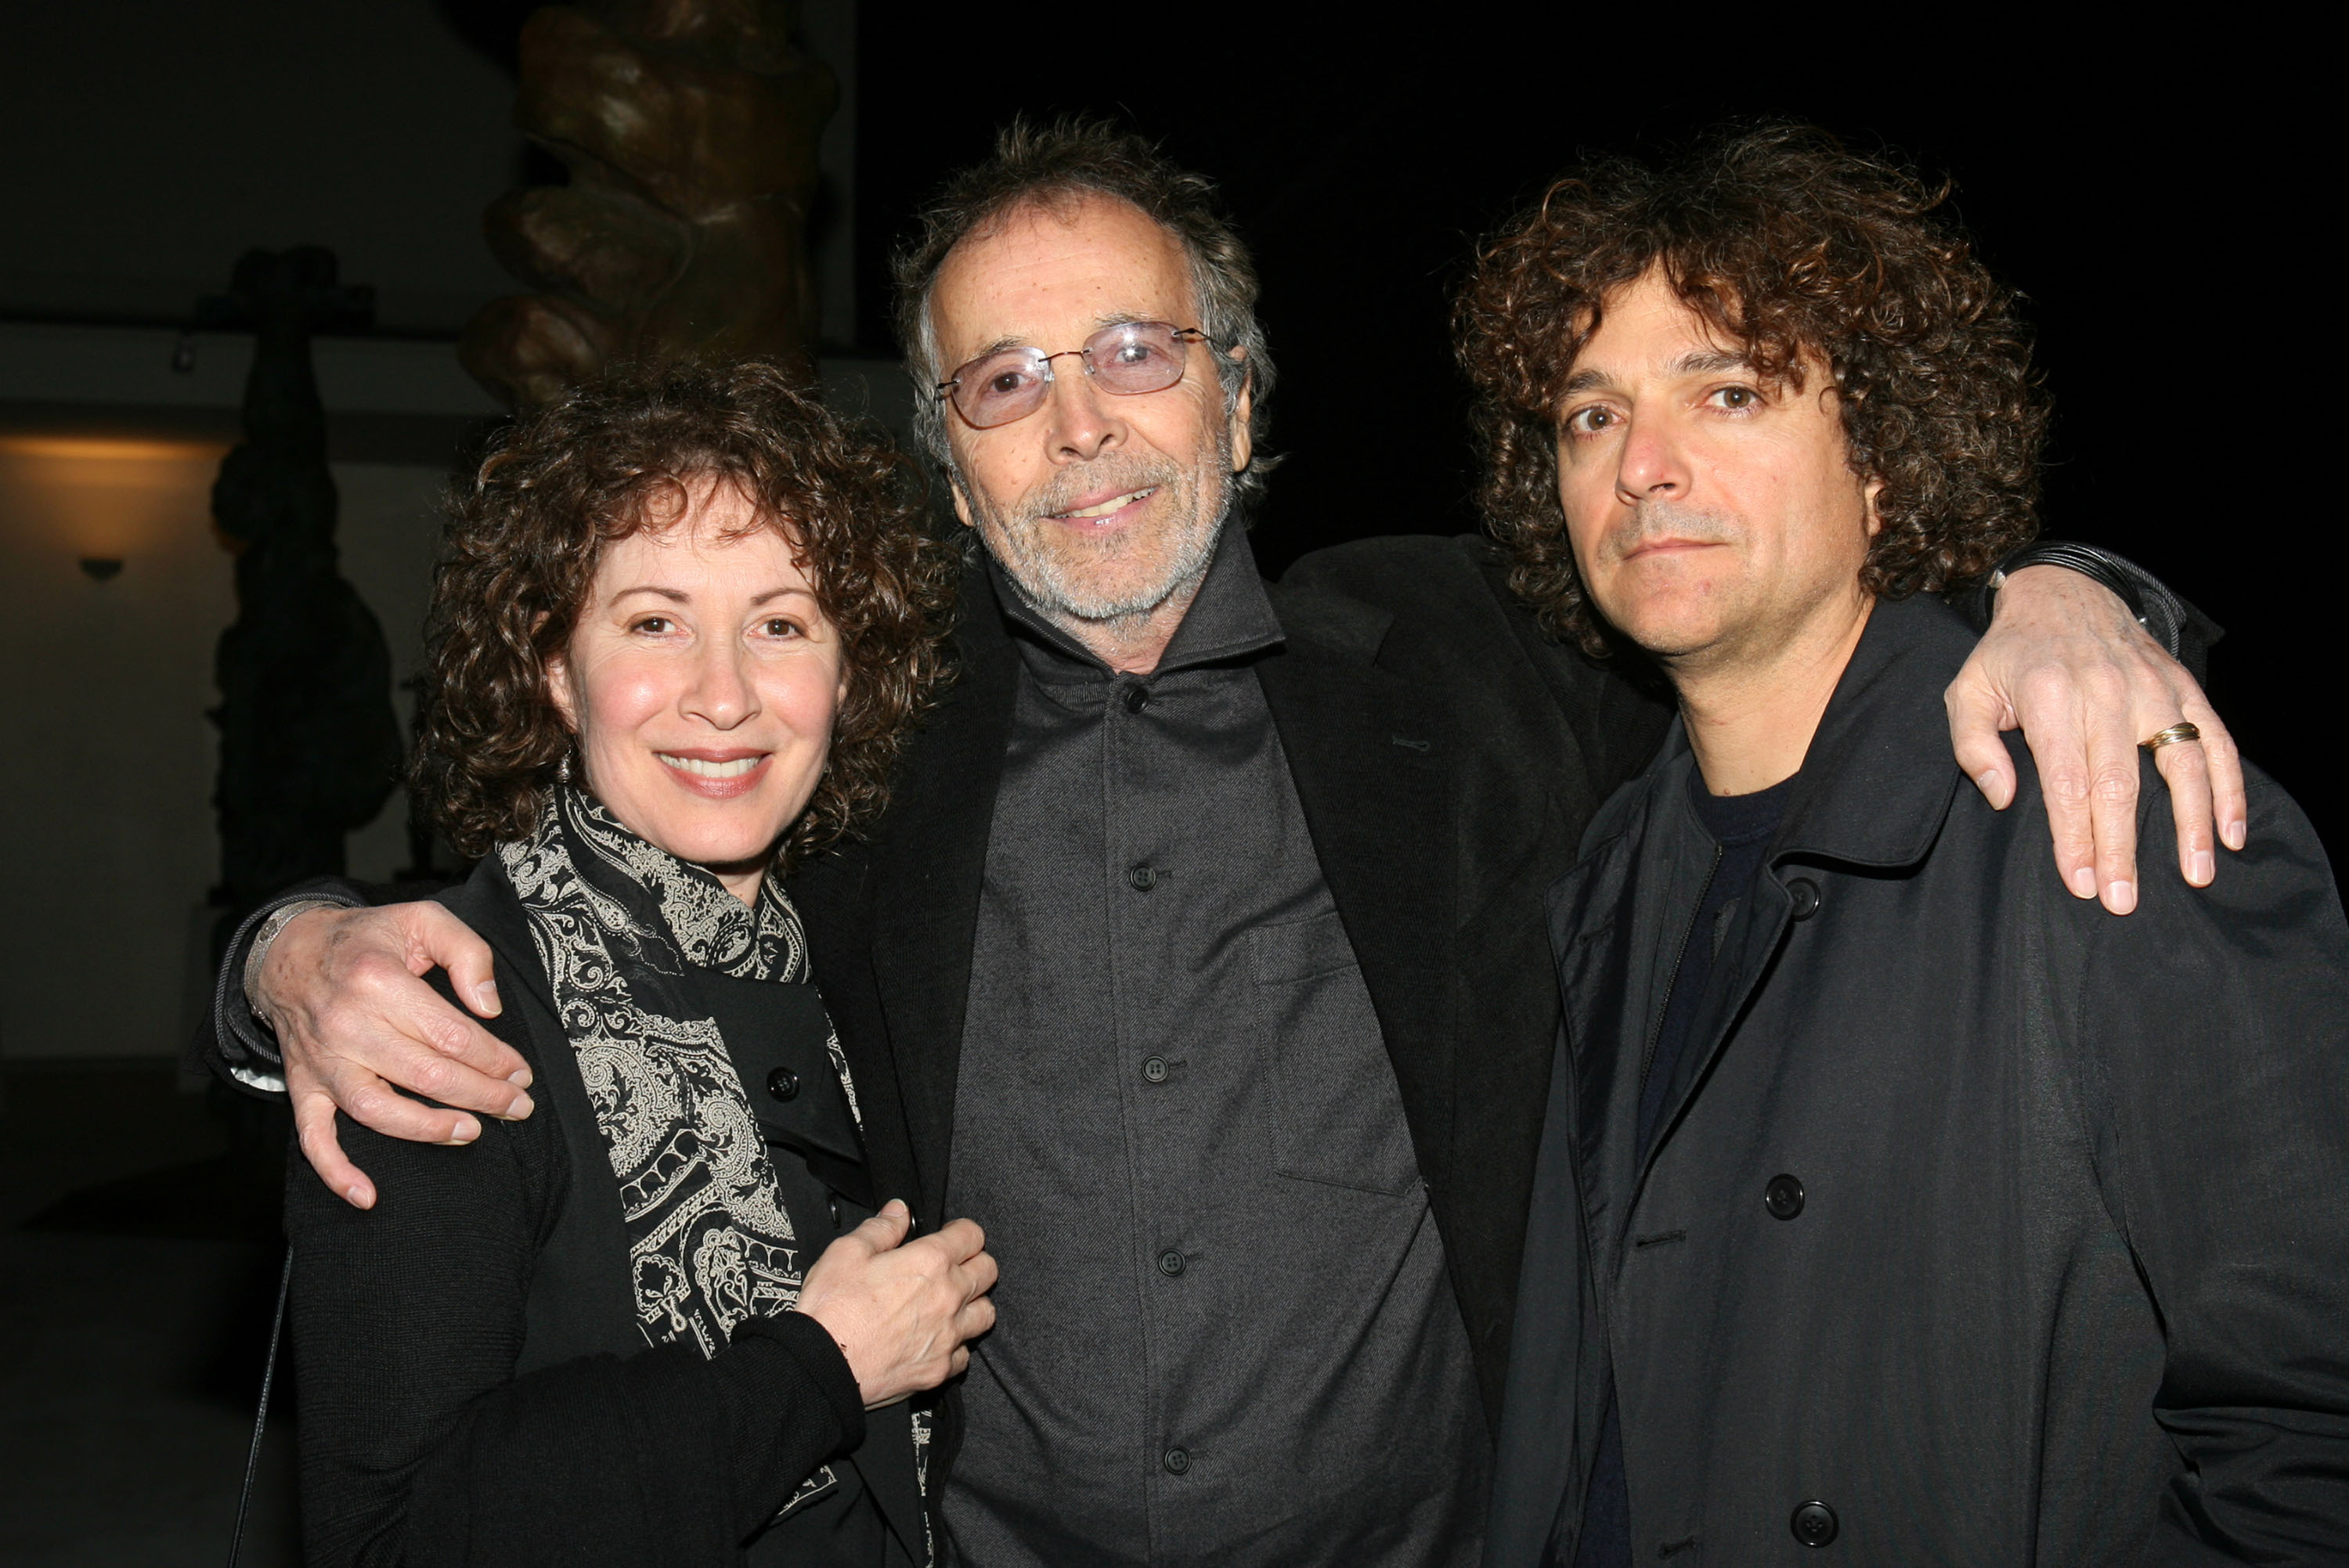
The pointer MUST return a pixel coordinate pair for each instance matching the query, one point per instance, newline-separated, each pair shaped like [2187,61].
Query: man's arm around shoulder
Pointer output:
[339,1000]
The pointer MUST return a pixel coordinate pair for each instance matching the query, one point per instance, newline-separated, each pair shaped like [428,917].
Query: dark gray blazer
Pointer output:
[1447,756]
[2062,1275]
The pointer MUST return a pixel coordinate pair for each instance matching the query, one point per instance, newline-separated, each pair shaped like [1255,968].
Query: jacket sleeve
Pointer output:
[2218,1022]
[419,1443]
[234,1042]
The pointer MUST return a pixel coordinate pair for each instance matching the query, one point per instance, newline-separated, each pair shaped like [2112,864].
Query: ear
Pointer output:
[1869,494]
[558,683]
[1243,437]
[961,500]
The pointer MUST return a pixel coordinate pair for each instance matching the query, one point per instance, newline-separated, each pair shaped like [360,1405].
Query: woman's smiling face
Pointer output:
[702,678]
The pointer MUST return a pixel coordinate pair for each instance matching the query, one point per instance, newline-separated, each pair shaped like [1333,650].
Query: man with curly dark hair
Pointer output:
[1889,1200]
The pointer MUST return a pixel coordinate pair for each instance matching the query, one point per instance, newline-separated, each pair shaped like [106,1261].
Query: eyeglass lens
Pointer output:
[1128,358]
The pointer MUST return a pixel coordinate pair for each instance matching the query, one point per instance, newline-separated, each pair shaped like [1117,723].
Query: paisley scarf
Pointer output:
[615,922]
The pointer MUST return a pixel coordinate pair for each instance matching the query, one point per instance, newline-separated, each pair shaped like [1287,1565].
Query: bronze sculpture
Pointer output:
[689,129]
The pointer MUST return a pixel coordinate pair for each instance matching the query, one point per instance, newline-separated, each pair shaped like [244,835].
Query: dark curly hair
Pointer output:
[1787,245]
[526,535]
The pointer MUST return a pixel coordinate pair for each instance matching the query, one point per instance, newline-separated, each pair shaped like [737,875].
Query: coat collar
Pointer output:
[1879,775]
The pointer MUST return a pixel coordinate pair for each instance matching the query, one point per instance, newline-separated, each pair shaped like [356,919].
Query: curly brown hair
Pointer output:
[1790,245]
[526,532]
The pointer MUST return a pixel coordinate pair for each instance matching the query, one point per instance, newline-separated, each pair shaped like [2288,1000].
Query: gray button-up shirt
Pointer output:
[1226,1336]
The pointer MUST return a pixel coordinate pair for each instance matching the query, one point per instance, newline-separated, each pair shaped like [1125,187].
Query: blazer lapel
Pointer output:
[927,870]
[1370,754]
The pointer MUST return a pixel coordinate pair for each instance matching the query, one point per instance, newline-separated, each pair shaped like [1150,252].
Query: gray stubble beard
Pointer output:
[1200,504]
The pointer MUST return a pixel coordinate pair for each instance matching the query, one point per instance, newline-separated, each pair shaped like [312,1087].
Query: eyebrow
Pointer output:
[1017,340]
[1695,362]
[680,596]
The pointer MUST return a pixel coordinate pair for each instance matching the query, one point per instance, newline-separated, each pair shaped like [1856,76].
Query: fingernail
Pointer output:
[520,1077]
[523,1106]
[467,1130]
[2205,868]
[355,1196]
[2083,882]
[2235,835]
[2120,897]
[485,999]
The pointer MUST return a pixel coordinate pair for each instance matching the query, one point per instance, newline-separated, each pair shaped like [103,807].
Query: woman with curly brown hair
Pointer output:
[681,628]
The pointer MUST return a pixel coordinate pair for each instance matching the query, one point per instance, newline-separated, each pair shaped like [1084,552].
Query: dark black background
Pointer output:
[2150,193]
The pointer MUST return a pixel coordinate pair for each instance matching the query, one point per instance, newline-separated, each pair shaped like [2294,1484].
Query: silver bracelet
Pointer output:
[270,929]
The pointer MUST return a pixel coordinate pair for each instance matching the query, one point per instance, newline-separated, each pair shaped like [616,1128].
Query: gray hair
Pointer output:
[1056,166]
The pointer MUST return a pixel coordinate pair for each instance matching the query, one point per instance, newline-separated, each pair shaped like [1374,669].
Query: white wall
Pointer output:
[106,777]
[106,782]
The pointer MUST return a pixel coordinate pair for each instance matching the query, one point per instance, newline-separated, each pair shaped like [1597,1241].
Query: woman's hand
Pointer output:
[901,1312]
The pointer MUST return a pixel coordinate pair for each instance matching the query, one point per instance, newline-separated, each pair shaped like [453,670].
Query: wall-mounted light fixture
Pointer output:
[102,501]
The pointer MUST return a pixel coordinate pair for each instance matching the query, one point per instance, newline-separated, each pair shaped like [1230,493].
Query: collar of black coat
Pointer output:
[1877,780]
[1230,618]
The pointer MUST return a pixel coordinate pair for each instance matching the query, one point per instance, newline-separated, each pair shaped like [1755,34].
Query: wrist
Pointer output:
[264,939]
[2097,566]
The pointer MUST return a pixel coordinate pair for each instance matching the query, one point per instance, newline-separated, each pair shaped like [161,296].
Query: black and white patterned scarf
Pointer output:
[616,921]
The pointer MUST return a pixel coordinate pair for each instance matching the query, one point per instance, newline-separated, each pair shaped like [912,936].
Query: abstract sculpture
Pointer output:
[309,744]
[689,129]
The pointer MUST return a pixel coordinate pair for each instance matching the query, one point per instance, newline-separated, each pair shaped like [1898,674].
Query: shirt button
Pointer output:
[784,1084]
[1136,698]
[1813,1524]
[1154,1069]
[1179,1459]
[1782,1197]
[1170,1263]
[1142,879]
[1805,892]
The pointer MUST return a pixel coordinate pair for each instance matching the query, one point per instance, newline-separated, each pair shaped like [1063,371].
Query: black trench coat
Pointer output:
[2056,1265]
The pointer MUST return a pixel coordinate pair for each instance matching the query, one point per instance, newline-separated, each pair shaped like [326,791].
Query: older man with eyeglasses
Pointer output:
[1200,956]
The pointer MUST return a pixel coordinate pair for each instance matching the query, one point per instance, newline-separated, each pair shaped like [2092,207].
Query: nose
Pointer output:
[1084,424]
[722,694]
[1651,464]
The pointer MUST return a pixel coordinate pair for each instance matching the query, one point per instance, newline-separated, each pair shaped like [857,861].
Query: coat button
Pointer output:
[1153,1069]
[1782,1197]
[1142,879]
[1806,894]
[1170,1263]
[1177,1461]
[1136,698]
[784,1084]
[1813,1524]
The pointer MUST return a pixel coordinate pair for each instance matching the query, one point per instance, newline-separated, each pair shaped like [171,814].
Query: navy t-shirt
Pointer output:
[1742,827]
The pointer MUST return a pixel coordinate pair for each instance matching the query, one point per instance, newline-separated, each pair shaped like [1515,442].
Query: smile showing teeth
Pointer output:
[1110,505]
[701,769]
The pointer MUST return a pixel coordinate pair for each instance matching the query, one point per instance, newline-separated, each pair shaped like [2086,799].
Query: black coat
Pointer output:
[2061,1273]
[1447,756]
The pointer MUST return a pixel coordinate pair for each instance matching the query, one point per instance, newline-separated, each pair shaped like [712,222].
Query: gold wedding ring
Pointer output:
[2171,737]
